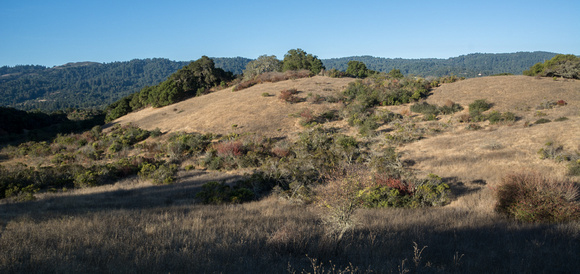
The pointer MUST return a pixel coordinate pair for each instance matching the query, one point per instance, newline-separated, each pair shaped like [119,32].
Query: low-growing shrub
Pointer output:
[158,173]
[220,193]
[531,197]
[496,117]
[477,108]
[425,108]
[574,168]
[393,192]
[289,96]
[542,121]
[553,152]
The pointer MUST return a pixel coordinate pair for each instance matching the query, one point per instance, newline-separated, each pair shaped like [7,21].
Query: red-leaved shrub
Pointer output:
[229,148]
[403,187]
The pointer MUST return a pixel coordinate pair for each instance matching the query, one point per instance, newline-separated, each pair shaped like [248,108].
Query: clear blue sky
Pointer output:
[56,32]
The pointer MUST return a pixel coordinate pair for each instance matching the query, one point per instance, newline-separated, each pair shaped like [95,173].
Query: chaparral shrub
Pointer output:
[531,197]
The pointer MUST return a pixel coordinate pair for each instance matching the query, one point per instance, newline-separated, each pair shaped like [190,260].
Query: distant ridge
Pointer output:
[470,65]
[95,85]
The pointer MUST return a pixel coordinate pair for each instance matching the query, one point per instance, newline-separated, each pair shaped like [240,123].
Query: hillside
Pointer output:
[252,112]
[452,153]
[143,201]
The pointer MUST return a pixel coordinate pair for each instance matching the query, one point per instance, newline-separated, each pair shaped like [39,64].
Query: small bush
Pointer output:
[392,192]
[229,148]
[425,108]
[531,197]
[478,107]
[496,117]
[289,96]
[561,119]
[542,121]
[219,193]
[574,168]
[553,152]
[158,174]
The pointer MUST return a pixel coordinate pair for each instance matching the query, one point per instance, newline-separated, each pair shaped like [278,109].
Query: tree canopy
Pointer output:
[297,59]
[567,66]
[261,65]
[192,80]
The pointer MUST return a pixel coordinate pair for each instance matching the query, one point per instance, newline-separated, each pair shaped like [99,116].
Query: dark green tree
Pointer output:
[357,69]
[395,73]
[297,59]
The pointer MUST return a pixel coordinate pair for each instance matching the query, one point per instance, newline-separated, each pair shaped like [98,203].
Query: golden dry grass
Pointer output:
[134,226]
[247,108]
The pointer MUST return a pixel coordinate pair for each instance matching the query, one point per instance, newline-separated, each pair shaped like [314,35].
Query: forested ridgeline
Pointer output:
[88,84]
[471,65]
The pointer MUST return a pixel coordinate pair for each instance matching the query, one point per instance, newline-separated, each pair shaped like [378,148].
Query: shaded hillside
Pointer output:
[471,65]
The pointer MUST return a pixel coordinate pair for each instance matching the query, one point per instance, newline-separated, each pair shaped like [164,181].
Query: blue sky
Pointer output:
[57,32]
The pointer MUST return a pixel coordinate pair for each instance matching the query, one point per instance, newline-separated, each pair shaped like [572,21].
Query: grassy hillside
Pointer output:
[292,135]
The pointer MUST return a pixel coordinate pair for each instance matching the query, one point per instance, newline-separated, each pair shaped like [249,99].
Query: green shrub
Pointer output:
[85,179]
[531,197]
[561,119]
[393,192]
[478,107]
[156,132]
[158,173]
[542,121]
[496,117]
[553,152]
[574,168]
[425,108]
[219,193]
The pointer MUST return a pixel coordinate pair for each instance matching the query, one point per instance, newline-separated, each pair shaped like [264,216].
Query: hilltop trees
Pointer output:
[357,69]
[297,59]
[567,66]
[191,80]
[261,65]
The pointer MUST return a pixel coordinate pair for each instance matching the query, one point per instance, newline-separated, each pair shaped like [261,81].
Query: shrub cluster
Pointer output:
[531,197]
[558,154]
[396,192]
[431,111]
[221,193]
[289,96]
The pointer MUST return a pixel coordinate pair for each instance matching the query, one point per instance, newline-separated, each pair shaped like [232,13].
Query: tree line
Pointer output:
[97,85]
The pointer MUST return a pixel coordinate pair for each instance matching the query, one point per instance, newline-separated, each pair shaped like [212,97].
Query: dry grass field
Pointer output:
[134,226]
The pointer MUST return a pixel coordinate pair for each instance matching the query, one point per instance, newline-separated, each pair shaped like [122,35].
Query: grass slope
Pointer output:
[247,108]
[133,226]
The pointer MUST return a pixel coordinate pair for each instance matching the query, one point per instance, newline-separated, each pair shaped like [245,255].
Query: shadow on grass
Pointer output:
[146,197]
